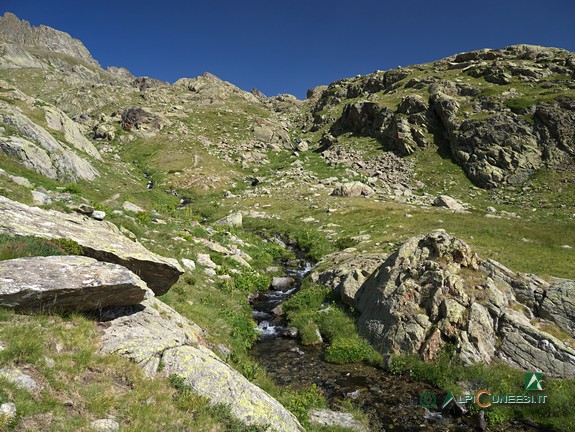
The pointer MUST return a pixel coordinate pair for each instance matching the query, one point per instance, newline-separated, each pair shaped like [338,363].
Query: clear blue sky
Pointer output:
[283,46]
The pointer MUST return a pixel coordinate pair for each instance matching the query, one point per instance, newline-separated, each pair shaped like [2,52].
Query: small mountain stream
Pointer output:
[391,401]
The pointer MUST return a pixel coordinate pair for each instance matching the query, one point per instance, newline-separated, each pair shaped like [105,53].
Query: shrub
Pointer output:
[351,349]
[345,242]
[72,188]
[249,282]
[299,402]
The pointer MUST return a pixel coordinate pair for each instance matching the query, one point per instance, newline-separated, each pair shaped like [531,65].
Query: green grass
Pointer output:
[12,247]
[313,311]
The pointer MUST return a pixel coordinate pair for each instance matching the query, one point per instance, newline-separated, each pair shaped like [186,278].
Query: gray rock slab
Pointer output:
[67,283]
[210,377]
[100,240]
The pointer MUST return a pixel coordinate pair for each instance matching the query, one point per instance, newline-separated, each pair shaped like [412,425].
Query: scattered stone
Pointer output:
[85,209]
[353,189]
[99,215]
[41,198]
[128,206]
[22,181]
[206,261]
[447,201]
[105,425]
[189,264]
[8,410]
[326,417]
[234,220]
[302,146]
[281,283]
[18,378]
[491,209]
[67,283]
[290,332]
[297,350]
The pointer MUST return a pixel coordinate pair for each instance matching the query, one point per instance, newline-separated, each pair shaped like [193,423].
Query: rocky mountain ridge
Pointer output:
[18,37]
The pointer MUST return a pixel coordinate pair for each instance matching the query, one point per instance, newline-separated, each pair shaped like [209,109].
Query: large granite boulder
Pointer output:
[144,331]
[435,291]
[67,283]
[100,240]
[210,377]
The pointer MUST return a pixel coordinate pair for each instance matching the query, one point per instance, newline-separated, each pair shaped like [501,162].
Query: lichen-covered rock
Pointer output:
[105,425]
[531,349]
[353,189]
[434,290]
[8,411]
[233,220]
[18,378]
[100,240]
[59,121]
[40,151]
[207,375]
[143,332]
[67,283]
[558,304]
[345,272]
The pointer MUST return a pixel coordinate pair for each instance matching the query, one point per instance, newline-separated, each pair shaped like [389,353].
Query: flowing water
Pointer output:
[391,401]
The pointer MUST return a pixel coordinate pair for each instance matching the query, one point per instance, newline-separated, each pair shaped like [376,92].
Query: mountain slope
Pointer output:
[503,114]
[346,175]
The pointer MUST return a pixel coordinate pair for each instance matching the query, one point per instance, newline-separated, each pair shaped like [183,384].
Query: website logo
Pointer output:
[484,398]
[534,381]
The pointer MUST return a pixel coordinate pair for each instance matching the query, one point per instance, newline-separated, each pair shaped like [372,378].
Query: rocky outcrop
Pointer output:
[100,240]
[58,120]
[499,149]
[40,151]
[363,118]
[558,304]
[345,272]
[212,90]
[67,284]
[139,119]
[435,291]
[499,135]
[152,333]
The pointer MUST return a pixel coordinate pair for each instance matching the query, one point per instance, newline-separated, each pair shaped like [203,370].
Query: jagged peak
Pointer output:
[21,32]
